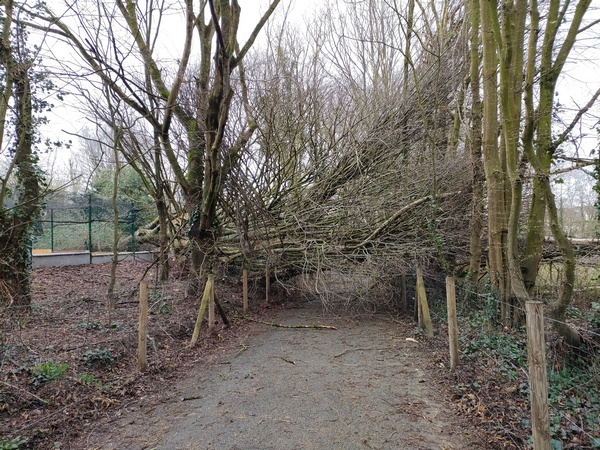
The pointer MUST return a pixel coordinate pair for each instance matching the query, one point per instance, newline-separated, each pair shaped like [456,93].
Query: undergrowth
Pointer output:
[14,444]
[494,351]
[48,371]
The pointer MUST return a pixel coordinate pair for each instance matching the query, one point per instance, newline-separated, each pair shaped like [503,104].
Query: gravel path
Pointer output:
[362,386]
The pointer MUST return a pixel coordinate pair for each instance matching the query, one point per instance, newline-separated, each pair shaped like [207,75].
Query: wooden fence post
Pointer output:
[245,290]
[143,326]
[267,283]
[211,307]
[538,378]
[424,307]
[202,310]
[452,321]
[403,303]
[417,308]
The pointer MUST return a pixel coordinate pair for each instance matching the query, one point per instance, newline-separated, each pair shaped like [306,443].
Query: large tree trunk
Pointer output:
[15,223]
[163,238]
[474,142]
[509,36]
[213,115]
[552,63]
[494,163]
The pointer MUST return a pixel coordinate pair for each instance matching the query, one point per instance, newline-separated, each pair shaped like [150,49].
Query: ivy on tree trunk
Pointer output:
[16,221]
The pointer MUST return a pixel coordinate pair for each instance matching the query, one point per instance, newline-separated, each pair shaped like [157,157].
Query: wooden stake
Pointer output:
[205,296]
[420,322]
[221,311]
[538,381]
[143,326]
[211,307]
[452,321]
[423,304]
[245,290]
[267,283]
[403,303]
[418,310]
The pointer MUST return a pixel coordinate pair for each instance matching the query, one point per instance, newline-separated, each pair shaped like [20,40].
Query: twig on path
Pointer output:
[357,349]
[243,348]
[287,360]
[279,325]
[195,397]
[405,410]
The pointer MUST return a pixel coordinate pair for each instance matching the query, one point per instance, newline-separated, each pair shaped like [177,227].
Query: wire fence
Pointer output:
[86,223]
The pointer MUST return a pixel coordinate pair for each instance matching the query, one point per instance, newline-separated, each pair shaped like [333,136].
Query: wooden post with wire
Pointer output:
[452,321]
[538,378]
[143,326]
[245,290]
[423,306]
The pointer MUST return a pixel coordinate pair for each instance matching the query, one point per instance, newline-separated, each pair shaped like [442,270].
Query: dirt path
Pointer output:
[362,386]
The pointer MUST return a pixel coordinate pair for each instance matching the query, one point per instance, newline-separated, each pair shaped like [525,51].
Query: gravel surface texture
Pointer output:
[364,385]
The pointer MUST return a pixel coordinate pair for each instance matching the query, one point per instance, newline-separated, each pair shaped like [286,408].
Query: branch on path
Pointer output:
[194,397]
[287,360]
[279,325]
[356,350]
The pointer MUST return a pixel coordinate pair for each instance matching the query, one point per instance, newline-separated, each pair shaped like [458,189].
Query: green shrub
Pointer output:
[13,444]
[509,349]
[49,371]
[98,356]
[574,394]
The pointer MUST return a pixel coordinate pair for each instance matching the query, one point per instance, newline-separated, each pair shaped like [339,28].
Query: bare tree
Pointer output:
[201,172]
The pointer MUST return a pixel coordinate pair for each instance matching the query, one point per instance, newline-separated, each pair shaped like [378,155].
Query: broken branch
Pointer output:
[279,325]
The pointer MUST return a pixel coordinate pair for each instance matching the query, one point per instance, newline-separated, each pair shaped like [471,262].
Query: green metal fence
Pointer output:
[80,223]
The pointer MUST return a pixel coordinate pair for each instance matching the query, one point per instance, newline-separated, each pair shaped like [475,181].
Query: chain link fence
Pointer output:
[86,223]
